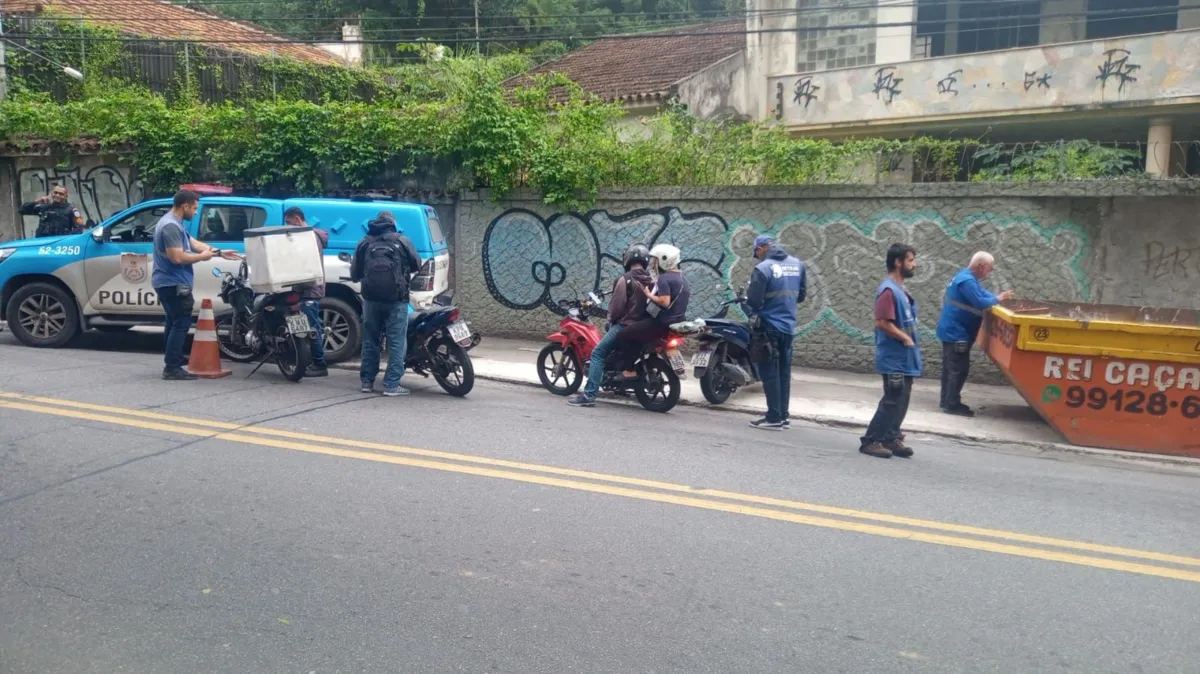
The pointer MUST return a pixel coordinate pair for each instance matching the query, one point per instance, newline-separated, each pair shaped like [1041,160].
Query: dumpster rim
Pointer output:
[1014,318]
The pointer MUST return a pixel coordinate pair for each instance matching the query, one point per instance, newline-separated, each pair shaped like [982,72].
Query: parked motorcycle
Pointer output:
[562,363]
[262,327]
[722,360]
[438,341]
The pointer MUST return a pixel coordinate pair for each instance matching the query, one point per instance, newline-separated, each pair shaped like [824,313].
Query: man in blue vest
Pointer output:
[962,315]
[777,285]
[897,356]
[175,251]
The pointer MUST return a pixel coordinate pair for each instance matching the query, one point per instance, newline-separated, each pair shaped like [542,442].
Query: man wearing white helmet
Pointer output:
[666,303]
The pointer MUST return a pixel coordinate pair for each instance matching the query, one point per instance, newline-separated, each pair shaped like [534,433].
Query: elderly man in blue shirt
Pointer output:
[962,315]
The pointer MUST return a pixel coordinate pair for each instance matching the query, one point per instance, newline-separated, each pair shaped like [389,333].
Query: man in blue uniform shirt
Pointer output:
[962,315]
[777,284]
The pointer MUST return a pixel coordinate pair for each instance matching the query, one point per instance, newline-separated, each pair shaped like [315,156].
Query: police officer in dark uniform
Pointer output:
[777,284]
[56,216]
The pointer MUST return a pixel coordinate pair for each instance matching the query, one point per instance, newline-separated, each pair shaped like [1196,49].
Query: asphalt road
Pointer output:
[251,525]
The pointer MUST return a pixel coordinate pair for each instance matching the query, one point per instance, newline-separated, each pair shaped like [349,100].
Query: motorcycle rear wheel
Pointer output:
[293,354]
[452,368]
[658,388]
[557,366]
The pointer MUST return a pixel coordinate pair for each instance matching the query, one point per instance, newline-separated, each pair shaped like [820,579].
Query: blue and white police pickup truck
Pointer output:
[54,288]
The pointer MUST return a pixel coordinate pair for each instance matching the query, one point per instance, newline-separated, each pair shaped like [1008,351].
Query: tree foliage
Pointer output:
[456,112]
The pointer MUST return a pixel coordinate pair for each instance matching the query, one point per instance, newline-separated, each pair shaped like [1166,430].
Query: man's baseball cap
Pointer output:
[763,240]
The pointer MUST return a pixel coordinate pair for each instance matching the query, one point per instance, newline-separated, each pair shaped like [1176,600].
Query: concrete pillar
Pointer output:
[1189,18]
[894,44]
[768,54]
[1158,149]
[1059,29]
[950,45]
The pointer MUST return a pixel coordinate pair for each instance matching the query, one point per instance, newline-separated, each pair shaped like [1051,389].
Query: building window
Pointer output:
[820,47]
[997,26]
[1114,18]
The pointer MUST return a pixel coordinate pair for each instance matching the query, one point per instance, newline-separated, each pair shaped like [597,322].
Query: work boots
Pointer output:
[898,448]
[875,449]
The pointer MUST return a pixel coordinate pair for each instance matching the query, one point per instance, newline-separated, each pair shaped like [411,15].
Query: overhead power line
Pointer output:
[577,36]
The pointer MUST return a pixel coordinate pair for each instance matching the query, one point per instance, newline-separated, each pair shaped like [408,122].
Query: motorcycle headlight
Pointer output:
[6,253]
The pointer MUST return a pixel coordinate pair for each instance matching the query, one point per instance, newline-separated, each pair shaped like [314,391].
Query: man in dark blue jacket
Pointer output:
[897,356]
[777,284]
[962,315]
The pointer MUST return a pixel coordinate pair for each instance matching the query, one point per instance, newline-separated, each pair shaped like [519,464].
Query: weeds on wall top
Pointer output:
[367,124]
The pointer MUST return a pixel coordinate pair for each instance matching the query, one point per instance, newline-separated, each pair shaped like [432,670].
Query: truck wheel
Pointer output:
[43,315]
[342,329]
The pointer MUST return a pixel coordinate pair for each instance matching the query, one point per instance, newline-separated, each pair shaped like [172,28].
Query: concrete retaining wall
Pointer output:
[1119,243]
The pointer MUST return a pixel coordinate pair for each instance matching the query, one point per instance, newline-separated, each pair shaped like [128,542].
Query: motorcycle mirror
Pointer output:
[216,272]
[344,257]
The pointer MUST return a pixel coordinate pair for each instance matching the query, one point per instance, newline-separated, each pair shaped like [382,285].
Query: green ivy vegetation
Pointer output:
[548,136]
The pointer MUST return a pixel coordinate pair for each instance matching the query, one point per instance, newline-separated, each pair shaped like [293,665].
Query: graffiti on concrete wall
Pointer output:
[531,262]
[99,191]
[1145,68]
[845,259]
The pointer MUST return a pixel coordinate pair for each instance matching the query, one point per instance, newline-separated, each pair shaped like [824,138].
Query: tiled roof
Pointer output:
[167,21]
[644,68]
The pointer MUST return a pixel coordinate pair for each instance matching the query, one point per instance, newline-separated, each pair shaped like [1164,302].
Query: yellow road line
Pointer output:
[706,504]
[629,481]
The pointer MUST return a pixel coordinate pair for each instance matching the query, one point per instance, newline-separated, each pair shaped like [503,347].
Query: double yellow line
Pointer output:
[829,517]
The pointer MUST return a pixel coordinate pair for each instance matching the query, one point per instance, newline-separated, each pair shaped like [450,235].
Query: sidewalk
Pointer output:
[821,396]
[825,397]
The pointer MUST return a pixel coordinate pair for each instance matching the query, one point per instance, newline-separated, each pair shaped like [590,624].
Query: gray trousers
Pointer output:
[956,365]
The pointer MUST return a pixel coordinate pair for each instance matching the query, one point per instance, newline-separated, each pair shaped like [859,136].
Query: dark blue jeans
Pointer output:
[380,318]
[312,309]
[776,375]
[595,373]
[178,310]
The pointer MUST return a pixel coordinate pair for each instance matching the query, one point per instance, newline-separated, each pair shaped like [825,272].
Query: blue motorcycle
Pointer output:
[722,359]
[438,341]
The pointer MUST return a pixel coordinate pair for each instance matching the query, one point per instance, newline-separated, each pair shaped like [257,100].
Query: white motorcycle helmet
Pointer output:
[666,255]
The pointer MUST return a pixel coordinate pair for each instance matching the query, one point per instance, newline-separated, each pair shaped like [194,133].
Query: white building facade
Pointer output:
[1010,70]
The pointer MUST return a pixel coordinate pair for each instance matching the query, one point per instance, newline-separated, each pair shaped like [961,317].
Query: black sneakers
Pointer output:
[178,374]
[764,425]
[316,371]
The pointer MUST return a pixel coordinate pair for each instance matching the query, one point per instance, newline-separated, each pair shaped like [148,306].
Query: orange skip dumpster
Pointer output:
[1104,376]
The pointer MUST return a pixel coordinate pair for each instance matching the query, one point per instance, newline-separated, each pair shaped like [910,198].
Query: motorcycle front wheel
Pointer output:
[658,386]
[292,354]
[559,370]
[452,367]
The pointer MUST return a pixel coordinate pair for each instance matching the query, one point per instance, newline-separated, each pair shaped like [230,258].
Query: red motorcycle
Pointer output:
[563,362]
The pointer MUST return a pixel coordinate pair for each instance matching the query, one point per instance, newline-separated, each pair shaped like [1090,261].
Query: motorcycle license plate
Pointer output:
[460,333]
[676,361]
[297,324]
[701,358]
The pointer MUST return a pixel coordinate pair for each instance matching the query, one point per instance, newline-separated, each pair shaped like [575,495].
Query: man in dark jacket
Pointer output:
[777,285]
[56,216]
[384,263]
[626,306]
[311,297]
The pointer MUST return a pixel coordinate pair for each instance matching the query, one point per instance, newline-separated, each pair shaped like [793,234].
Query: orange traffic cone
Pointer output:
[205,361]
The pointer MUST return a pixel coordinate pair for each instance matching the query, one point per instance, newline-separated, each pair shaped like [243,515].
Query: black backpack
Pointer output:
[384,276]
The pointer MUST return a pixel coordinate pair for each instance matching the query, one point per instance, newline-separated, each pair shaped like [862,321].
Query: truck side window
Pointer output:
[435,229]
[137,227]
[227,224]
